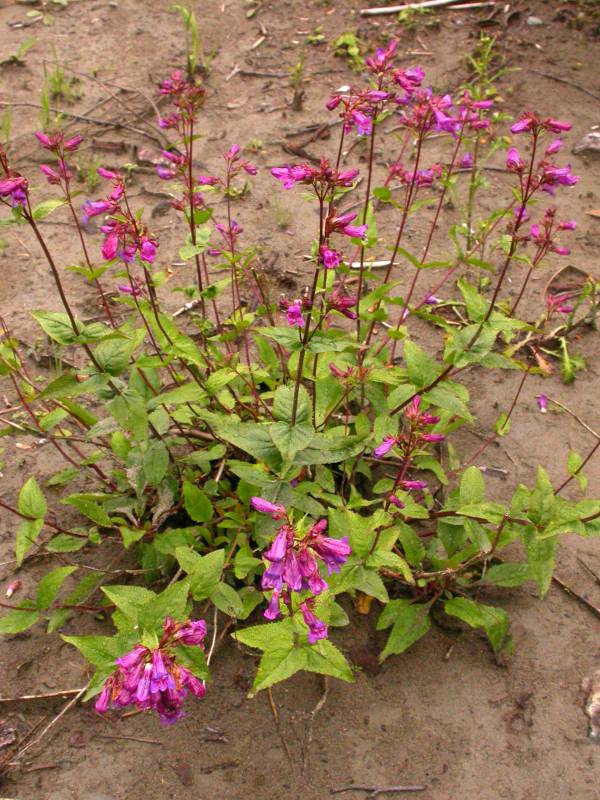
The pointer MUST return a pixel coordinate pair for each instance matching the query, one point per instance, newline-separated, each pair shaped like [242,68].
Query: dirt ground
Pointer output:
[454,720]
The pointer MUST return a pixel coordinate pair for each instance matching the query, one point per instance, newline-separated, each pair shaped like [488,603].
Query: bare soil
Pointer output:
[453,719]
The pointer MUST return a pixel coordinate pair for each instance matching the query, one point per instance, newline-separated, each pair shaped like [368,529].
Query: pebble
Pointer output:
[533,21]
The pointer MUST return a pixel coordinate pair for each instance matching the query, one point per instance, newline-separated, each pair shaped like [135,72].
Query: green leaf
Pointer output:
[129,410]
[56,325]
[410,623]
[27,533]
[507,574]
[113,354]
[574,464]
[422,370]
[90,509]
[227,600]
[63,543]
[502,424]
[101,651]
[197,504]
[18,620]
[155,462]
[130,600]
[493,620]
[31,500]
[172,602]
[50,586]
[287,652]
[46,207]
[204,572]
[540,557]
[194,659]
[472,487]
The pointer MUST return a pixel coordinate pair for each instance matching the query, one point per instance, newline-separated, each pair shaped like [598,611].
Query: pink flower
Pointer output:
[408,485]
[384,448]
[330,259]
[294,314]
[514,162]
[73,144]
[542,401]
[557,125]
[266,507]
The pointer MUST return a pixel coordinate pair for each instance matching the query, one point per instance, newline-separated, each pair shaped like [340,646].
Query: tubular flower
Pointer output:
[293,562]
[152,679]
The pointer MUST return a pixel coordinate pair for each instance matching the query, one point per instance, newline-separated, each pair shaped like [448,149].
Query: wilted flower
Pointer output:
[542,401]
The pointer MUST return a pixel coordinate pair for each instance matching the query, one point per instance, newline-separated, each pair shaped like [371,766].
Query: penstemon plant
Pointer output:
[248,451]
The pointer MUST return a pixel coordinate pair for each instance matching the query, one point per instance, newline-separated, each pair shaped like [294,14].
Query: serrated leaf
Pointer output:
[27,533]
[493,620]
[227,600]
[32,502]
[410,623]
[50,586]
[507,574]
[18,620]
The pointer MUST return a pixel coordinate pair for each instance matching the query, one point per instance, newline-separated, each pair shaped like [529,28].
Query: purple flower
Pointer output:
[567,225]
[431,299]
[554,147]
[526,123]
[355,231]
[208,180]
[316,628]
[557,125]
[273,612]
[395,501]
[233,152]
[384,448]
[265,507]
[408,485]
[433,437]
[73,144]
[51,174]
[94,208]
[152,678]
[364,124]
[192,633]
[44,139]
[466,161]
[10,186]
[330,259]
[164,173]
[542,401]
[147,250]
[110,246]
[294,314]
[514,162]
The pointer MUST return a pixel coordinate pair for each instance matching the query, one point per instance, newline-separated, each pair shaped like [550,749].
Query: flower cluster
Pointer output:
[152,679]
[294,564]
[124,235]
[417,423]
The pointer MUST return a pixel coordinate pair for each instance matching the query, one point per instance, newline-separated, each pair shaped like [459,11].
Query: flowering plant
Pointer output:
[282,453]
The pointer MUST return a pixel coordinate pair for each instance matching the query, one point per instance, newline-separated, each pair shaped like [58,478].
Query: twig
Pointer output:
[373,791]
[580,599]
[53,722]
[275,714]
[214,637]
[371,12]
[309,733]
[64,693]
[565,81]
[594,575]
[574,415]
[84,118]
[128,738]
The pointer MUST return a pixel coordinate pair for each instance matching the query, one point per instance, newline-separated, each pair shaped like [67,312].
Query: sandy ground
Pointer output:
[462,724]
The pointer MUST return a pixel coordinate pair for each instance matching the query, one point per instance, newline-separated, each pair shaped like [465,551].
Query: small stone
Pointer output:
[533,21]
